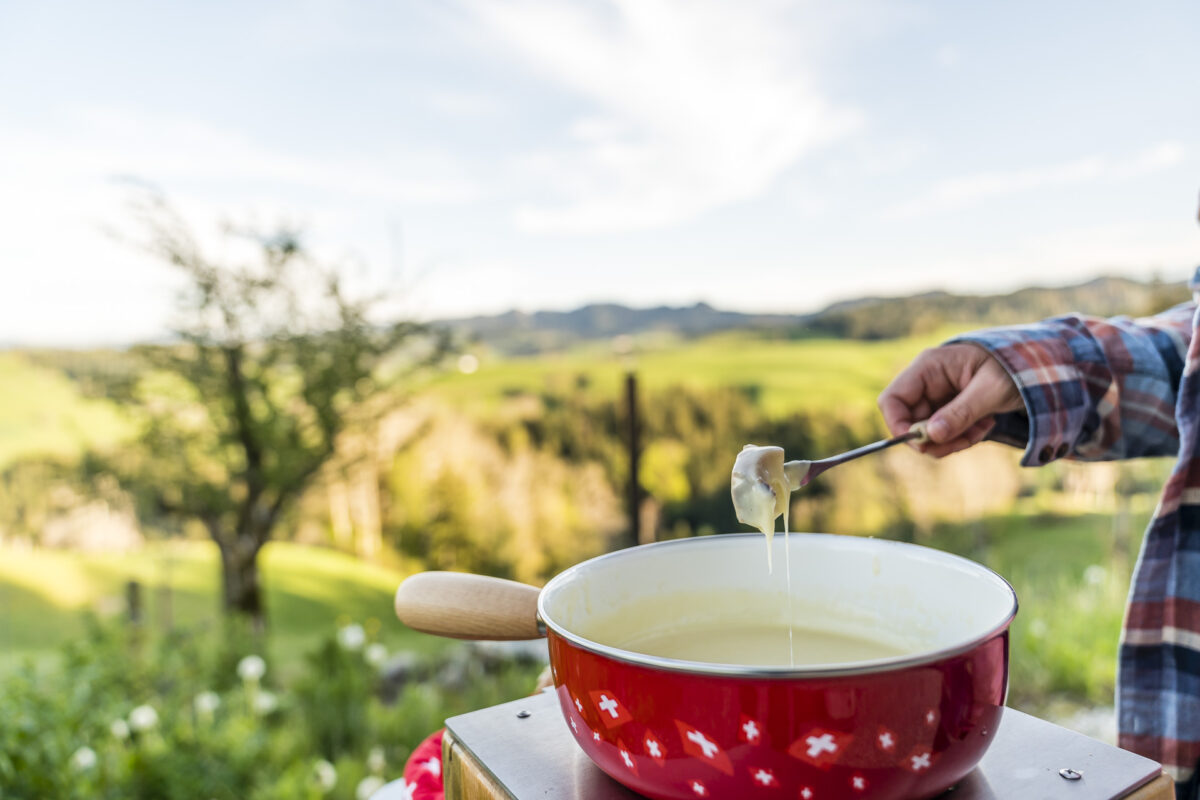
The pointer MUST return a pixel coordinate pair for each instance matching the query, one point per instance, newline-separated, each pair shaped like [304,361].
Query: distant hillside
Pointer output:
[863,318]
[889,317]
[519,332]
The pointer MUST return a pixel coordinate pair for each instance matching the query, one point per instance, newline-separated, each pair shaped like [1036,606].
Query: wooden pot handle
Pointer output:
[464,606]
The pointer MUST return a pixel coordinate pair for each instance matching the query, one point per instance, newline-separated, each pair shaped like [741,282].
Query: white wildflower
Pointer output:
[368,786]
[324,775]
[1094,575]
[206,703]
[251,669]
[83,759]
[143,718]
[398,790]
[265,702]
[352,637]
[376,760]
[119,729]
[1038,627]
[375,654]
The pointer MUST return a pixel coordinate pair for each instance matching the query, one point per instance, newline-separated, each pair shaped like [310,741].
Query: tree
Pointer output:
[272,361]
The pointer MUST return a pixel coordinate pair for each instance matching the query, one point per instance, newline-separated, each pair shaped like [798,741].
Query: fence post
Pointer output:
[635,489]
[133,598]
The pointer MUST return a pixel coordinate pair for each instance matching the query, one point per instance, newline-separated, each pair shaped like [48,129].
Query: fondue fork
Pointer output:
[799,473]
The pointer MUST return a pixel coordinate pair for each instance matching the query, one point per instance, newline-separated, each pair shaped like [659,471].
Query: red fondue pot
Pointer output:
[908,726]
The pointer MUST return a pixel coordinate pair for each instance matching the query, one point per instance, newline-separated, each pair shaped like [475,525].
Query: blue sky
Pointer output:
[474,156]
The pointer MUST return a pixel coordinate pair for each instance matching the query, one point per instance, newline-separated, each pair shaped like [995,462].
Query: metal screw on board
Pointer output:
[522,714]
[1070,774]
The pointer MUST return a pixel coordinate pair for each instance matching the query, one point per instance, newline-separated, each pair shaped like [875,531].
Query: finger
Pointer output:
[976,401]
[909,384]
[895,402]
[907,398]
[948,448]
[896,414]
[973,436]
[977,432]
[922,411]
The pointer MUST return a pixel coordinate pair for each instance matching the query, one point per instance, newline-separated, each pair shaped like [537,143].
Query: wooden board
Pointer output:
[1161,788]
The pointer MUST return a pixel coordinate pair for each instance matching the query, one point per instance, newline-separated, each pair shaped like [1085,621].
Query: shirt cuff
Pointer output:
[1056,405]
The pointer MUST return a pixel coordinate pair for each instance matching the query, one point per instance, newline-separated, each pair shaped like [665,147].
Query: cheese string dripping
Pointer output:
[761,492]
[787,570]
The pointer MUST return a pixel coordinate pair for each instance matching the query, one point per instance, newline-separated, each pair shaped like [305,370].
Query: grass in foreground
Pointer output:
[1070,574]
[45,596]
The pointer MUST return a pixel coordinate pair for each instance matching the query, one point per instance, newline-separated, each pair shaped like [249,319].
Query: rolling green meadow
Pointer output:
[821,375]
[516,467]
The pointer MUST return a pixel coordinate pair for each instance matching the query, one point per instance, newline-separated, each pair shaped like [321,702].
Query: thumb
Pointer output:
[969,406]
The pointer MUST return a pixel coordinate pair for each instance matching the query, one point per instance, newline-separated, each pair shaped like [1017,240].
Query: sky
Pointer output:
[470,156]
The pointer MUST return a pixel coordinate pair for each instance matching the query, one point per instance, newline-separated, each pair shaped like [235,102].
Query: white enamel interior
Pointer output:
[927,603]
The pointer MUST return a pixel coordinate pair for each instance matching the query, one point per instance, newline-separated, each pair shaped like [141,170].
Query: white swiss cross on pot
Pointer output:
[820,747]
[654,748]
[626,757]
[702,747]
[919,760]
[763,777]
[885,740]
[611,712]
[749,730]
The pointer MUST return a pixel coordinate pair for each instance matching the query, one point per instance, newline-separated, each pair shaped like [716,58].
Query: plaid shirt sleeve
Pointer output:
[1094,389]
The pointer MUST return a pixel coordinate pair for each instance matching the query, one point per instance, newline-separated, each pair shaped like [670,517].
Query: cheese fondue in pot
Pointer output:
[761,646]
[750,628]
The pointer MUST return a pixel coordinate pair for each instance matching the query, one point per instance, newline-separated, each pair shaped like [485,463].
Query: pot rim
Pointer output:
[873,666]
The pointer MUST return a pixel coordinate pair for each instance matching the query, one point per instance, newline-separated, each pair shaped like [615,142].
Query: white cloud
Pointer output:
[691,106]
[956,193]
[947,56]
[67,279]
[166,148]
[468,105]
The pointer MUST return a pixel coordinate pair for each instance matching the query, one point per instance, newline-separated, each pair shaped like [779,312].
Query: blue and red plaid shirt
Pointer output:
[1104,389]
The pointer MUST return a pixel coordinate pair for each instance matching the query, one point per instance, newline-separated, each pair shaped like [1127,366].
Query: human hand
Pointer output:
[958,388]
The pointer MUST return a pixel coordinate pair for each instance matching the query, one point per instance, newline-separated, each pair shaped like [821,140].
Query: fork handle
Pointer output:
[918,432]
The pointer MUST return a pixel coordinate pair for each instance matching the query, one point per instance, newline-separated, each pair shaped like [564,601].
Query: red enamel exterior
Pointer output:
[902,734]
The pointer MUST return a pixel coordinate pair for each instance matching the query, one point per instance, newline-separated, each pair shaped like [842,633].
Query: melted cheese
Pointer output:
[760,490]
[759,645]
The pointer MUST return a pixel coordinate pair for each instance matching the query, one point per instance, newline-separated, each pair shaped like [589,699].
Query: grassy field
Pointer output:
[42,413]
[45,595]
[831,375]
[1071,575]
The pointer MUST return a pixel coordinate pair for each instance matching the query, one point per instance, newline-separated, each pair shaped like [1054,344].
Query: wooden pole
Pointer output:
[635,489]
[133,597]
